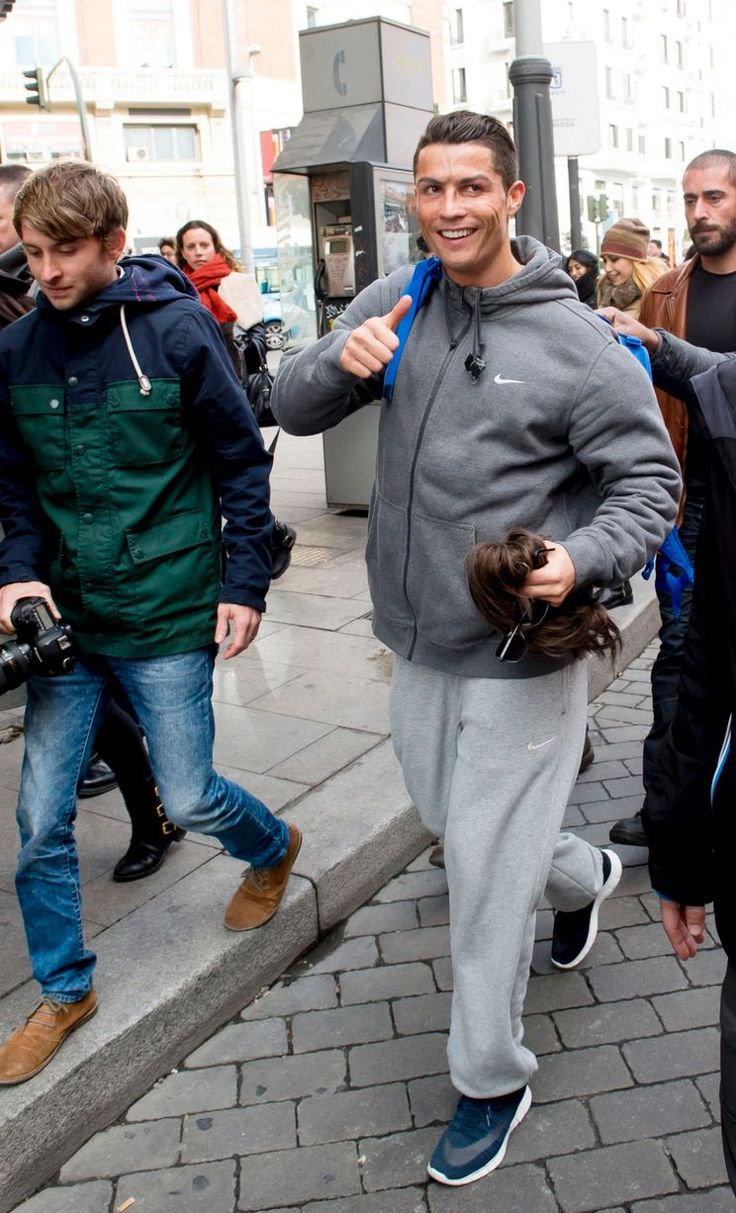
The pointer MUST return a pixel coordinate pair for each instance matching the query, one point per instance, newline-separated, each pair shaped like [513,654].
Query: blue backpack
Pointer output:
[674,567]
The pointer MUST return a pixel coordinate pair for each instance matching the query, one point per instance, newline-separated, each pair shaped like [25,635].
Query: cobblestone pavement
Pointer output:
[327,1094]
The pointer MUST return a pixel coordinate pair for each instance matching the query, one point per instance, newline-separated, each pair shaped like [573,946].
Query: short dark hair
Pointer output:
[464,126]
[716,155]
[12,177]
[170,240]
[658,243]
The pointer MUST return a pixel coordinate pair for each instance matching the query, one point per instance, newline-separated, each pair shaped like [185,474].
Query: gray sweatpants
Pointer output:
[490,764]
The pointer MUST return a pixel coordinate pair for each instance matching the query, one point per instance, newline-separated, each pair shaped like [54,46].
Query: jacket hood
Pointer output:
[144,280]
[540,280]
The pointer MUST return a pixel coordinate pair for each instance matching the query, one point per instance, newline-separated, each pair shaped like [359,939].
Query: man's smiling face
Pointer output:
[464,209]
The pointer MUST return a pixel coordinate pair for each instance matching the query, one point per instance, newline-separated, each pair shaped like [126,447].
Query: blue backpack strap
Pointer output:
[674,570]
[635,347]
[426,273]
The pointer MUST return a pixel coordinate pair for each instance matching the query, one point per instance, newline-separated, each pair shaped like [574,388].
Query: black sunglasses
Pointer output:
[513,646]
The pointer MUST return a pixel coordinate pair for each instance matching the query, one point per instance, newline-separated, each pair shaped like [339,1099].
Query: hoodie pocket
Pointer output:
[144,430]
[436,585]
[384,554]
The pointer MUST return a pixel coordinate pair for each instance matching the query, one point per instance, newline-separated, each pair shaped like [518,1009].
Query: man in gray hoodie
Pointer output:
[513,405]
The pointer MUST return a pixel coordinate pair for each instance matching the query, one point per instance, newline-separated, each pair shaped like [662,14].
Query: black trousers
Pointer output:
[728,1071]
[119,743]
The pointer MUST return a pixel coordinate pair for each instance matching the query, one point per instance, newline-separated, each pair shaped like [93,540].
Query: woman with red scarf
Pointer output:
[224,289]
[231,296]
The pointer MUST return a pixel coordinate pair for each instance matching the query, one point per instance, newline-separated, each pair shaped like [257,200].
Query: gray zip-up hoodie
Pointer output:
[561,434]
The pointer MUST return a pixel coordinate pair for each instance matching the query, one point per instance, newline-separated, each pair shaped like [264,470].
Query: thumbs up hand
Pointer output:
[371,346]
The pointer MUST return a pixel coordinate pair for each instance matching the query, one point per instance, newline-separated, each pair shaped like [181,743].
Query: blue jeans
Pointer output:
[668,663]
[171,697]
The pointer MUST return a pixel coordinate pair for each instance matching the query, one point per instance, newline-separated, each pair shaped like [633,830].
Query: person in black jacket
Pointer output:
[688,815]
[584,269]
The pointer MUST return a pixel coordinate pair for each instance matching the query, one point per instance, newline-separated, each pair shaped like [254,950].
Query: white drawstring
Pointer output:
[144,382]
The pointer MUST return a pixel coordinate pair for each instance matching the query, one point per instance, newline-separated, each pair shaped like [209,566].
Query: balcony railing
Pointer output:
[108,88]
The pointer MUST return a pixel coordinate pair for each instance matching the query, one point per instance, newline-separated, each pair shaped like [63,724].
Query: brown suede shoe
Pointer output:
[259,896]
[31,1047]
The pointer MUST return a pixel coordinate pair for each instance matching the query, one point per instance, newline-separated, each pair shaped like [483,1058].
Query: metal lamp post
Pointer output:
[531,75]
[237,73]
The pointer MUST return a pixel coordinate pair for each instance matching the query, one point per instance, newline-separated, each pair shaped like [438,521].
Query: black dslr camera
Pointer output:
[42,645]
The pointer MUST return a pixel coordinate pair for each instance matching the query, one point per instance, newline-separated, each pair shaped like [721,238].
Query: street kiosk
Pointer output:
[344,198]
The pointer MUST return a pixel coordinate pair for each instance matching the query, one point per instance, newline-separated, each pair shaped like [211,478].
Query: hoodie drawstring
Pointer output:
[144,383]
[475,362]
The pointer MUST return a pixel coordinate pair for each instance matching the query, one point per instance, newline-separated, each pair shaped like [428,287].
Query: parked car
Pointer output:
[273,320]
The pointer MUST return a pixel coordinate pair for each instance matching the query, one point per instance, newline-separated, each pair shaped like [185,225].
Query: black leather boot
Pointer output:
[98,779]
[283,538]
[612,596]
[152,836]
[629,831]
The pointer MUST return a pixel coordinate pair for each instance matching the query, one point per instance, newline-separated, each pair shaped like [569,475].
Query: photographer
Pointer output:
[119,758]
[125,438]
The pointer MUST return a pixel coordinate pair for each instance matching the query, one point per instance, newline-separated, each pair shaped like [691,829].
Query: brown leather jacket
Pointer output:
[665,307]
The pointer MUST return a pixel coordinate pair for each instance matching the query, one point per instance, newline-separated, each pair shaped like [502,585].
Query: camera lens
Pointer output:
[15,665]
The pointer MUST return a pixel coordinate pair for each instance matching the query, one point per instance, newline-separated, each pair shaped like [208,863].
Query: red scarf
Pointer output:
[207,278]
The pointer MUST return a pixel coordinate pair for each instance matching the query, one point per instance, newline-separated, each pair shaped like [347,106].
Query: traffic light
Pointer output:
[36,88]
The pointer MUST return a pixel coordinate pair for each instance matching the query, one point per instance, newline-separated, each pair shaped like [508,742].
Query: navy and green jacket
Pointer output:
[118,460]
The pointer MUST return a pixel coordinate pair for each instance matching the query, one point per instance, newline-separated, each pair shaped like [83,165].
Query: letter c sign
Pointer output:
[340,85]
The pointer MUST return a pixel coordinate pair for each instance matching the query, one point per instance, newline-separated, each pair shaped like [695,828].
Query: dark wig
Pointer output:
[496,574]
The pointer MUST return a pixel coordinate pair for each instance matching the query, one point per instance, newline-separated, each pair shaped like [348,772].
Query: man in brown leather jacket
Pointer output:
[696,301]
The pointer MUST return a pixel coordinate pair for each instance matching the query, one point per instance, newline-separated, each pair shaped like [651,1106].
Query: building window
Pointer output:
[613,136]
[642,145]
[36,32]
[160,142]
[629,139]
[609,84]
[606,25]
[655,202]
[628,87]
[681,102]
[625,31]
[668,149]
[508,20]
[459,88]
[152,40]
[679,50]
[681,150]
[311,17]
[665,97]
[680,6]
[664,53]
[457,34]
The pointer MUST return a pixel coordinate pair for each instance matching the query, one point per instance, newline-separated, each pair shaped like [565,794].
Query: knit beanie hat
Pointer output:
[627,238]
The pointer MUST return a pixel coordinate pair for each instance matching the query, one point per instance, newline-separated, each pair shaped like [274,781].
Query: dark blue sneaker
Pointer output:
[574,931]
[475,1141]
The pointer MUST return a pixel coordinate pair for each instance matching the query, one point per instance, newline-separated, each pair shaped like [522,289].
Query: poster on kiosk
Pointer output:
[344,200]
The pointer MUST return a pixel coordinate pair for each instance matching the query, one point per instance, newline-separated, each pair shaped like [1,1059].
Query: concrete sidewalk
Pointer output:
[302,721]
[328,1092]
